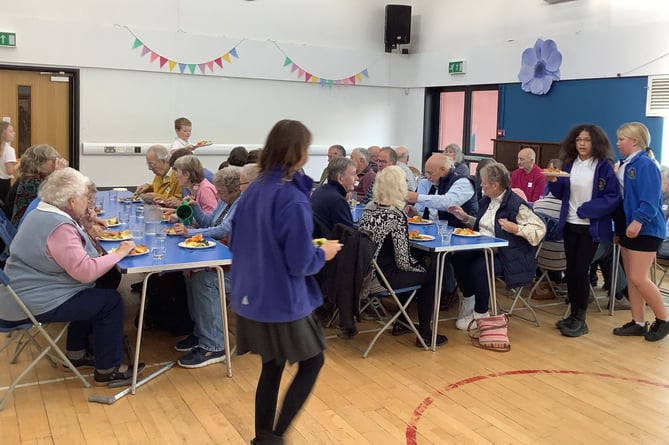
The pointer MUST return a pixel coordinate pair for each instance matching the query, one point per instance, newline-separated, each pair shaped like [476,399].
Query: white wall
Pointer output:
[126,98]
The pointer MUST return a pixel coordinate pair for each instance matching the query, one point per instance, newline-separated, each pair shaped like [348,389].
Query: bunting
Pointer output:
[322,81]
[184,67]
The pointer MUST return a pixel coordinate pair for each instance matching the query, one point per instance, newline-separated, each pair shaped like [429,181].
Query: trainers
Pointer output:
[187,344]
[658,330]
[575,328]
[630,329]
[463,323]
[116,376]
[198,357]
[441,340]
[87,361]
[466,313]
[564,321]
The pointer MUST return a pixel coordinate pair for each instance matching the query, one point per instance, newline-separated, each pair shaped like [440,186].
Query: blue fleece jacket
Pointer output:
[605,199]
[274,256]
[642,186]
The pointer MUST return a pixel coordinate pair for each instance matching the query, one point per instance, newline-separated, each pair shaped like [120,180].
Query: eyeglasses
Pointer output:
[583,140]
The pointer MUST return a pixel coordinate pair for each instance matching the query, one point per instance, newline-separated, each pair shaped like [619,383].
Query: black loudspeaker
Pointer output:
[398,26]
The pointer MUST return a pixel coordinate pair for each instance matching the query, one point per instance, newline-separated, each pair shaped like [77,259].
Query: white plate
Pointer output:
[473,235]
[125,238]
[209,244]
[205,144]
[130,254]
[423,222]
[557,174]
[113,225]
[423,238]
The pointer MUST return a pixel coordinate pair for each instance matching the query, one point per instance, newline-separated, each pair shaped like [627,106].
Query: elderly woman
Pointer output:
[52,251]
[206,345]
[502,214]
[387,223]
[454,152]
[38,162]
[190,174]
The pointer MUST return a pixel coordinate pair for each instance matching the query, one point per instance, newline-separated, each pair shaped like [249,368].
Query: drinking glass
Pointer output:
[434,216]
[137,228]
[123,217]
[99,206]
[159,248]
[446,236]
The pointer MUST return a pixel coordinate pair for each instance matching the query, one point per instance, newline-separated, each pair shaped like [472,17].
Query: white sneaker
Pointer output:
[466,313]
[463,323]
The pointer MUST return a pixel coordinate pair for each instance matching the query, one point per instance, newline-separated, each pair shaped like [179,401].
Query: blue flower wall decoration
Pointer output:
[540,66]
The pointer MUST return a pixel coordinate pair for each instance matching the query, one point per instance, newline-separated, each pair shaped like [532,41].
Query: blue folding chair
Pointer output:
[25,328]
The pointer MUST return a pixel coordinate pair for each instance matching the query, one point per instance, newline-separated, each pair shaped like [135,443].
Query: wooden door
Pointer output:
[38,106]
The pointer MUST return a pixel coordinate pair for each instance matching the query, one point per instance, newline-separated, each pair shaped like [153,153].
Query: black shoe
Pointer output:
[347,333]
[574,329]
[564,322]
[87,361]
[441,340]
[630,329]
[116,376]
[187,344]
[658,330]
[401,329]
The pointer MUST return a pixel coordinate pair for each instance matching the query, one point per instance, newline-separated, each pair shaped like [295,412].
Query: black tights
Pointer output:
[267,393]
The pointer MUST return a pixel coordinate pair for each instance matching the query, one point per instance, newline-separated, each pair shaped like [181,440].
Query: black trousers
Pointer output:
[579,249]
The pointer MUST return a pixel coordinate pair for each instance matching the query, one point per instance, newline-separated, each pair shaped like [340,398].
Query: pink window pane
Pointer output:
[452,114]
[484,121]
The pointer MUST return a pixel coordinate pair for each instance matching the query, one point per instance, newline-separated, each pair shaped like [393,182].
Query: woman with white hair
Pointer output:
[54,267]
[387,223]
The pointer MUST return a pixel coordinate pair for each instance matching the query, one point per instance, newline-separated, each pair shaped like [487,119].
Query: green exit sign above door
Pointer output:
[7,39]
[456,67]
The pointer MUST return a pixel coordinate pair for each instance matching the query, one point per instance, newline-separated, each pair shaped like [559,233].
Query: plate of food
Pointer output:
[196,242]
[465,232]
[133,198]
[415,235]
[113,221]
[98,211]
[202,143]
[418,220]
[140,249]
[110,235]
[171,232]
[555,172]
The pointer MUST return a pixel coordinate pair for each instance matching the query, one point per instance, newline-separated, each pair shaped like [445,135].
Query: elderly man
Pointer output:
[402,162]
[373,153]
[165,188]
[363,170]
[328,202]
[528,177]
[386,158]
[333,152]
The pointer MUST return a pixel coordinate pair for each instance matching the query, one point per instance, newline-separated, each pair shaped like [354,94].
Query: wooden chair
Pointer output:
[25,328]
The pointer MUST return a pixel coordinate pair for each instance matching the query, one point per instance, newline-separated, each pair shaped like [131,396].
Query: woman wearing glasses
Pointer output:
[589,196]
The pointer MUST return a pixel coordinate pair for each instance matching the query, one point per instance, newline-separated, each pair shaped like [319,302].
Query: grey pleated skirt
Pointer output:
[292,341]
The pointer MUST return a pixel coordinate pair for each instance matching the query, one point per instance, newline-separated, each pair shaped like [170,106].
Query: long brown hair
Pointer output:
[286,145]
[601,147]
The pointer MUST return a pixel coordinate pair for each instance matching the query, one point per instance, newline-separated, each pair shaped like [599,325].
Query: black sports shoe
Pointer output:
[563,322]
[575,328]
[630,329]
[441,340]
[187,344]
[87,361]
[401,329]
[116,376]
[658,330]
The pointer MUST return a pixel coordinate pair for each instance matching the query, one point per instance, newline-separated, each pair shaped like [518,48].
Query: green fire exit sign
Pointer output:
[456,67]
[7,39]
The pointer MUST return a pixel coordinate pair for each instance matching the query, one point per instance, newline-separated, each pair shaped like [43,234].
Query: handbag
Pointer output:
[490,333]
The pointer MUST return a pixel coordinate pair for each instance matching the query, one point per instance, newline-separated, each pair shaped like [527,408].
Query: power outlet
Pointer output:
[138,149]
[110,149]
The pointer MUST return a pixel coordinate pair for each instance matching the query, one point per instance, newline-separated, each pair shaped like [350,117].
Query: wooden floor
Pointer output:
[547,389]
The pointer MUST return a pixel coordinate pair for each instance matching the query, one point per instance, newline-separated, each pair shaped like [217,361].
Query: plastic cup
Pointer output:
[159,248]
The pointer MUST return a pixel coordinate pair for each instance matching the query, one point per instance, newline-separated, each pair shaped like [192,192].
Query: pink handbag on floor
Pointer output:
[490,333]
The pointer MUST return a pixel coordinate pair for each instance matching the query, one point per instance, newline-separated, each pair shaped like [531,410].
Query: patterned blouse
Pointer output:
[382,221]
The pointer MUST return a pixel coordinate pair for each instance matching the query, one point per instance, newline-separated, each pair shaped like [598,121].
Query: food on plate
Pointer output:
[416,235]
[318,242]
[115,236]
[465,232]
[201,143]
[550,171]
[196,241]
[139,249]
[171,231]
[418,219]
[113,221]
[98,211]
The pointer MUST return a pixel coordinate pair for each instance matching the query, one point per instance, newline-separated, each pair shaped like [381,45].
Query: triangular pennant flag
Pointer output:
[352,79]
[338,82]
[300,73]
[287,61]
[365,73]
[191,67]
[172,64]
[202,66]
[233,51]
[210,65]
[323,81]
[307,76]
[163,61]
[293,68]
[219,62]
[182,67]
[145,50]
[358,77]
[154,56]
[330,83]
[137,43]
[226,57]
[314,79]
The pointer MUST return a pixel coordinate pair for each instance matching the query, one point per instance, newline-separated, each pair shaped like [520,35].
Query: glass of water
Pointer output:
[159,248]
[137,228]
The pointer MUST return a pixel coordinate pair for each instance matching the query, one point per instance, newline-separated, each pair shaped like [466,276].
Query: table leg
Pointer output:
[614,277]
[490,271]
[440,259]
[224,318]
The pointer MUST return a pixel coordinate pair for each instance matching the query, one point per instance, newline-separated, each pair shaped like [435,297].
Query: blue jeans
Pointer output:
[97,311]
[204,305]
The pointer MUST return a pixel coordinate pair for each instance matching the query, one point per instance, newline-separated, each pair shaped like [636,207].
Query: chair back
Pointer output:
[551,256]
[7,233]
